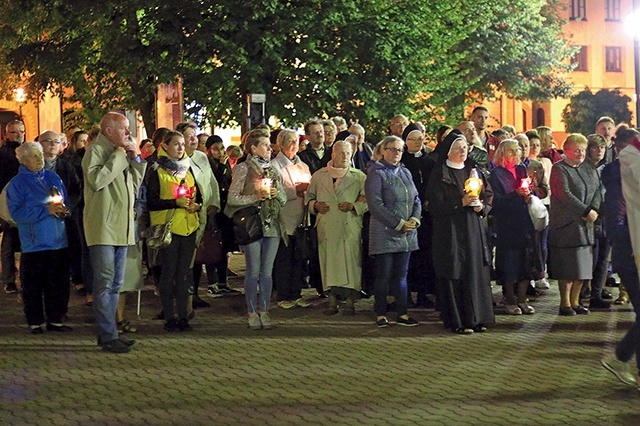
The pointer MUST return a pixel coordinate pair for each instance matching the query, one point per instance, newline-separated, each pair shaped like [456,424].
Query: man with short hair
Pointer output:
[113,172]
[480,117]
[316,155]
[51,148]
[607,128]
[362,152]
[398,124]
[9,166]
[476,152]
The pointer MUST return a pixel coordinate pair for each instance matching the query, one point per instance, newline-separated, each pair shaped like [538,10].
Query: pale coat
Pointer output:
[292,172]
[630,174]
[111,181]
[339,233]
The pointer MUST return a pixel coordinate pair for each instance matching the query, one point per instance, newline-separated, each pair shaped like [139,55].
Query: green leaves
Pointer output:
[365,59]
[585,108]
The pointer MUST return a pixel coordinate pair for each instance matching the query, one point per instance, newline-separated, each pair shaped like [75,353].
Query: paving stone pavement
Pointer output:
[316,370]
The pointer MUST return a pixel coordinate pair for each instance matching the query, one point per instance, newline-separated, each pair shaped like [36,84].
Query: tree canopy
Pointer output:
[586,108]
[365,59]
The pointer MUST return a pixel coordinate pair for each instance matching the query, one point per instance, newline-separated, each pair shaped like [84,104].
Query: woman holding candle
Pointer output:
[461,256]
[288,274]
[518,256]
[36,200]
[172,195]
[575,199]
[256,182]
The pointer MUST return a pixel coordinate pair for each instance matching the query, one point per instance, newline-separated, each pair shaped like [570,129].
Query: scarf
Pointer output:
[177,168]
[269,208]
[50,164]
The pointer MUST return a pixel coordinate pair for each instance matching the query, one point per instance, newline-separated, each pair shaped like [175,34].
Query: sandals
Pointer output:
[126,327]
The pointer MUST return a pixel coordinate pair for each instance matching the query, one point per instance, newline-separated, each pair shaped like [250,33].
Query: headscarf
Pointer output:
[410,128]
[444,147]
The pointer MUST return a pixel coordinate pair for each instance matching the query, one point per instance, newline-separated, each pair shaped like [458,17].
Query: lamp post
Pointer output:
[20,97]
[632,27]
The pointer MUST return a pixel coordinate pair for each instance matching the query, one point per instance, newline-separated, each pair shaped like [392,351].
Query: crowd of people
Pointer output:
[328,210]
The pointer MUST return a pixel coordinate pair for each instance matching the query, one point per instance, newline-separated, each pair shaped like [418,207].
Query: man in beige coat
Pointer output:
[113,171]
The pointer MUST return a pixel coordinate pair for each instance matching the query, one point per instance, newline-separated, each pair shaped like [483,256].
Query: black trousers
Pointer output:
[288,275]
[10,245]
[45,280]
[176,283]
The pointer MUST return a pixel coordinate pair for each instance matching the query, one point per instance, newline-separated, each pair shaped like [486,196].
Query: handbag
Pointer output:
[306,236]
[159,236]
[210,249]
[247,225]
[538,213]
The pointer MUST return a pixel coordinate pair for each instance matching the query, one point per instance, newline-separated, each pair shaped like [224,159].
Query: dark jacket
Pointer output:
[392,198]
[512,222]
[8,162]
[309,157]
[574,192]
[420,168]
[222,173]
[28,195]
[614,207]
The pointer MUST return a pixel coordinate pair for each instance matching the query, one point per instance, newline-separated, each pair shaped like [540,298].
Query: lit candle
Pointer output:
[524,183]
[56,199]
[266,185]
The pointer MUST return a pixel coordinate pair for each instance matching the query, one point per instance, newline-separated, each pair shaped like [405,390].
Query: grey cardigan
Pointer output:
[574,192]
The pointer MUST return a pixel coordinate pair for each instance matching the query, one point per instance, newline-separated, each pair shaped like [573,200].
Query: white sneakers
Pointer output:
[542,284]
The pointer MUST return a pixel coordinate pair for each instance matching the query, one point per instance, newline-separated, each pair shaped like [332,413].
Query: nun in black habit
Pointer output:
[460,248]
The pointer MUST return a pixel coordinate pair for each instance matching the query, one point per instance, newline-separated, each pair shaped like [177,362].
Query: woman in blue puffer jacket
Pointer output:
[395,216]
[36,200]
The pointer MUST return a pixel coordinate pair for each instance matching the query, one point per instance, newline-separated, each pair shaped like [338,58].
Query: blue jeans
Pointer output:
[391,275]
[259,257]
[107,263]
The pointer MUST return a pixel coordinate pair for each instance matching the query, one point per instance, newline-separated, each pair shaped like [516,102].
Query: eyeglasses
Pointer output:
[395,150]
[55,141]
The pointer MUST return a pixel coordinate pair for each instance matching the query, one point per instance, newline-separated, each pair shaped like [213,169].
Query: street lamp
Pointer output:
[632,27]
[20,97]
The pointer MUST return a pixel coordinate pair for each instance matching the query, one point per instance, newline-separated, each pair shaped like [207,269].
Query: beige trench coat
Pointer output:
[339,233]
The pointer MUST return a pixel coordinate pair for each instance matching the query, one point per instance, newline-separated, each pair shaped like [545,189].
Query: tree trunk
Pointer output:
[146,104]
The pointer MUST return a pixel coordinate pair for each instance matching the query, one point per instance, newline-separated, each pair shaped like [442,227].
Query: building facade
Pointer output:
[605,61]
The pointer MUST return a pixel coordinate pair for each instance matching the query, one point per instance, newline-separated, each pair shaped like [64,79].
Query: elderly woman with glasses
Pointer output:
[395,210]
[461,256]
[36,200]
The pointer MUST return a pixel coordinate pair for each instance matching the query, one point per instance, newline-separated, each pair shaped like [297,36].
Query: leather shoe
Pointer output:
[115,346]
[606,295]
[567,311]
[199,303]
[599,304]
[581,310]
